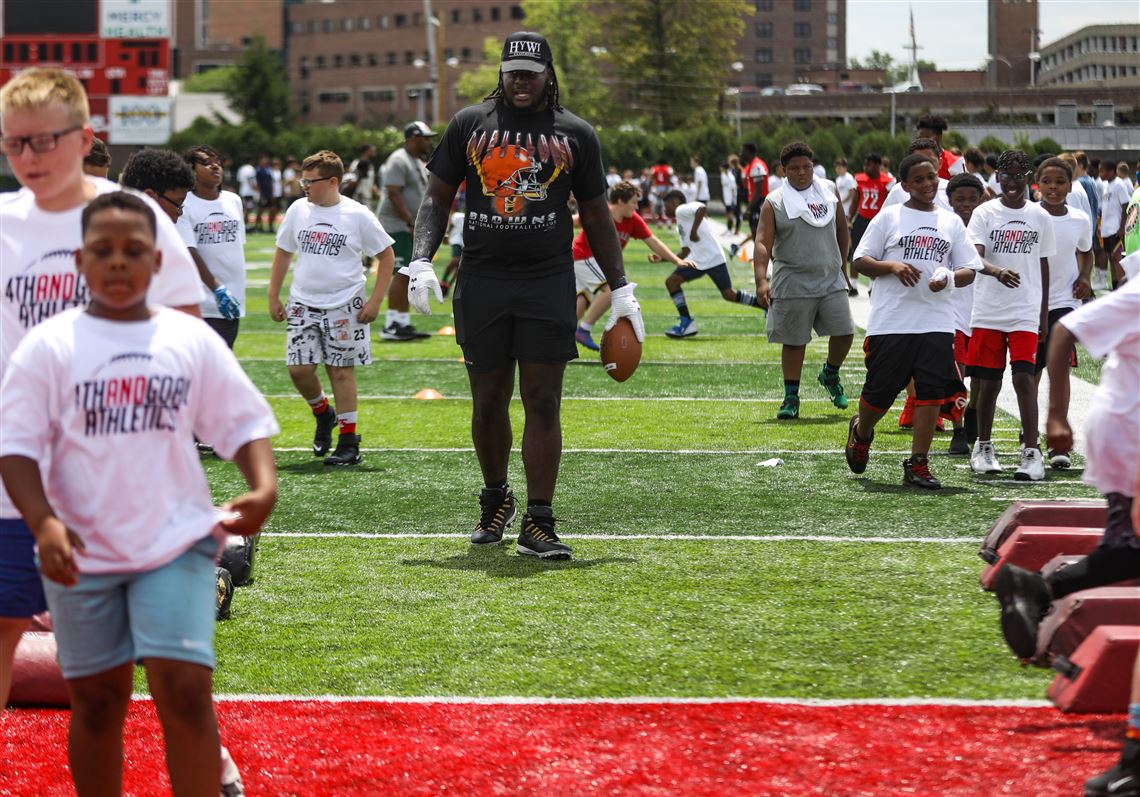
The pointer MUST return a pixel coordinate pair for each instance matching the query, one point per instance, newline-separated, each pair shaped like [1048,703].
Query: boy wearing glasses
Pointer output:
[1015,239]
[328,314]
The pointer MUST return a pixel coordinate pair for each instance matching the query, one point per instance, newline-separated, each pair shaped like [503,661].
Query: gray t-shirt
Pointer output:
[410,173]
[805,259]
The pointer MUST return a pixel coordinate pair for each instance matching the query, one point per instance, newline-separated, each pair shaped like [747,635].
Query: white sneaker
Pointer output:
[1032,466]
[983,459]
[231,785]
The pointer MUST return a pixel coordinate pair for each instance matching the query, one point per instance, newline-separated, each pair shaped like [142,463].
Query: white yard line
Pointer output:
[752,452]
[321,535]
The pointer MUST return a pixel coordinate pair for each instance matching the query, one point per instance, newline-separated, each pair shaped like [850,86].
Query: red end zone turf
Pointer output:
[721,749]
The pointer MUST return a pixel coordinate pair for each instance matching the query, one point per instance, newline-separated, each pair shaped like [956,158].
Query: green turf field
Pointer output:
[682,581]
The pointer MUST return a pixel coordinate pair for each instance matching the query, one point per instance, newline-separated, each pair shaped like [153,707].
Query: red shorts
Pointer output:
[988,346]
[961,347]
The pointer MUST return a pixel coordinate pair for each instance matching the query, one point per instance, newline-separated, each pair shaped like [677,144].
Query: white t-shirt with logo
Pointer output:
[216,228]
[329,243]
[39,277]
[993,183]
[701,183]
[1110,327]
[927,240]
[899,195]
[1072,234]
[1016,239]
[707,252]
[116,407]
[1117,194]
[247,180]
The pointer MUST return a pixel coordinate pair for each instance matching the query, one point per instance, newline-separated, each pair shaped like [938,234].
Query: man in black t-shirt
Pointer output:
[522,156]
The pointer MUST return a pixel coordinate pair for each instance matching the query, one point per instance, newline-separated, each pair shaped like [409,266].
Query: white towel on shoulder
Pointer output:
[815,205]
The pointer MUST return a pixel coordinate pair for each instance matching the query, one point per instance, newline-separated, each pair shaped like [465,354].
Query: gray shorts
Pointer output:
[790,321]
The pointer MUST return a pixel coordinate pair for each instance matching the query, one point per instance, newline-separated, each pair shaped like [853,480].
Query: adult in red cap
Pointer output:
[522,155]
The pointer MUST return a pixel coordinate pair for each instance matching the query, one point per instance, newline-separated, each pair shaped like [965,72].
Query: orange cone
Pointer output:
[428,393]
[446,331]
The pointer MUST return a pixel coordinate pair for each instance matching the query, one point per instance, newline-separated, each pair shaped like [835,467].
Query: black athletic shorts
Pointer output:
[529,319]
[927,357]
[1111,242]
[858,227]
[718,274]
[754,218]
[1043,344]
[227,328]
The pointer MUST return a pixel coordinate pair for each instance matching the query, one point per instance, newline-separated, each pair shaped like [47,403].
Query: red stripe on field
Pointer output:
[369,748]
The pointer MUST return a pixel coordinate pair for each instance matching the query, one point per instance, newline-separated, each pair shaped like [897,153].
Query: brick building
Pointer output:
[213,33]
[785,40]
[1013,40]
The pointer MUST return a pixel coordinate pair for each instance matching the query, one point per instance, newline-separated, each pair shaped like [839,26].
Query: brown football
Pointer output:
[621,350]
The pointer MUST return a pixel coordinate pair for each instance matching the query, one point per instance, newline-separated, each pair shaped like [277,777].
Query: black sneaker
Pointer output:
[857,450]
[1024,598]
[347,451]
[537,537]
[496,513]
[958,444]
[1123,780]
[205,449]
[398,332]
[916,473]
[322,437]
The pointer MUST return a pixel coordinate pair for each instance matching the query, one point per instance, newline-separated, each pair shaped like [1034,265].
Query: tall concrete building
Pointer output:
[787,39]
[1097,55]
[1014,41]
[213,33]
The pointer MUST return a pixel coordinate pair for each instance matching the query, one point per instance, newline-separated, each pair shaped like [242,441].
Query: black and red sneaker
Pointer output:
[858,450]
[916,473]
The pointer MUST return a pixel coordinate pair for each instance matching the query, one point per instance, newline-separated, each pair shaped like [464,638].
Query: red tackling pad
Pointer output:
[1077,514]
[1076,616]
[36,678]
[1032,547]
[1106,660]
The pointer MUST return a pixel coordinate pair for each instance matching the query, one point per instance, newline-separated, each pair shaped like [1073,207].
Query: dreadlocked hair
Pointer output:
[1013,161]
[551,90]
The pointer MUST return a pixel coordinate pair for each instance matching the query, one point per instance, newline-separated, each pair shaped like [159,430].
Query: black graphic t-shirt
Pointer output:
[520,171]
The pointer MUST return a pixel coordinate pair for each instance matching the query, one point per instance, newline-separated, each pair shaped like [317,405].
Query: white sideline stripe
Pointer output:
[667,537]
[624,399]
[1058,498]
[576,363]
[511,700]
[678,451]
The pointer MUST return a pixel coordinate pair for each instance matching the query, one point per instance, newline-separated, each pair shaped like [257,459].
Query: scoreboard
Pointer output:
[119,50]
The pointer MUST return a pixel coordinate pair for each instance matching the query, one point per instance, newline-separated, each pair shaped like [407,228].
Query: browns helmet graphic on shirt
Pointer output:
[515,172]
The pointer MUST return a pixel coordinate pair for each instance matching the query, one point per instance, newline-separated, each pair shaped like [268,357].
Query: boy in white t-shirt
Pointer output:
[918,254]
[120,389]
[1015,239]
[698,245]
[46,133]
[328,314]
[212,228]
[1070,269]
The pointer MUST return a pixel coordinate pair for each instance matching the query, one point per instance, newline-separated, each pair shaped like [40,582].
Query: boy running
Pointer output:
[701,254]
[1015,239]
[120,388]
[918,254]
[1070,268]
[328,315]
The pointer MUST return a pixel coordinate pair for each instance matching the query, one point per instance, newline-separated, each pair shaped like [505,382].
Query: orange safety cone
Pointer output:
[446,331]
[428,393]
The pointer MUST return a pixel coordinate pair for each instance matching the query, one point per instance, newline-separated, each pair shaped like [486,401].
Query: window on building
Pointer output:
[803,5]
[378,95]
[327,25]
[347,24]
[456,15]
[296,28]
[338,61]
[334,97]
[833,42]
[312,26]
[517,12]
[320,62]
[495,13]
[764,55]
[382,22]
[476,15]
[354,59]
[465,54]
[763,30]
[409,57]
[802,55]
[802,30]
[763,79]
[373,59]
[401,20]
[833,19]
[393,58]
[417,20]
[365,23]
[764,5]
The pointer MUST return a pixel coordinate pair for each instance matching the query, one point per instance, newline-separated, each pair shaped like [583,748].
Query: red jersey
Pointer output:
[633,227]
[872,193]
[948,159]
[662,175]
[756,169]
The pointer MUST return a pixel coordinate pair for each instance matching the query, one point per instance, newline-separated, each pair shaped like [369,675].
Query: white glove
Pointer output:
[623,304]
[943,274]
[422,283]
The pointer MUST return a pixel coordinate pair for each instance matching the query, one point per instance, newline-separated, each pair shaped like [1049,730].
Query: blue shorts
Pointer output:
[21,593]
[110,619]
[718,274]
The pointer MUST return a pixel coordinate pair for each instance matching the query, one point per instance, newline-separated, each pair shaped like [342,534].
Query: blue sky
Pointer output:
[953,34]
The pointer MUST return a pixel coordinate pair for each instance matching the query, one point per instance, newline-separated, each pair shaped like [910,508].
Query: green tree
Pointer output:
[992,145]
[876,60]
[571,26]
[670,59]
[477,83]
[213,80]
[257,88]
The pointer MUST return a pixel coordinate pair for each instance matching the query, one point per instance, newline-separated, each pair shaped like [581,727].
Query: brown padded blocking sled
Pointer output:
[1032,547]
[1098,679]
[1079,514]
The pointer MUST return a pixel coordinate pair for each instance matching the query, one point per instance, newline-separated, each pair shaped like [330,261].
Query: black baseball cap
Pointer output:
[418,129]
[526,51]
